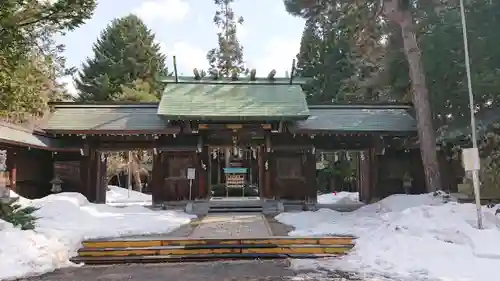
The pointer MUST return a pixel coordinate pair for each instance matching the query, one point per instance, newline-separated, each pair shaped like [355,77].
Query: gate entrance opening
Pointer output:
[234,172]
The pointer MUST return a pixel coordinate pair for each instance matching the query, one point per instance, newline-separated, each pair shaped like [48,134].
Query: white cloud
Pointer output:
[69,84]
[242,32]
[165,10]
[187,57]
[278,54]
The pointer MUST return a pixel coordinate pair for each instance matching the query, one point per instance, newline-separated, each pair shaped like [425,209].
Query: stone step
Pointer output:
[235,209]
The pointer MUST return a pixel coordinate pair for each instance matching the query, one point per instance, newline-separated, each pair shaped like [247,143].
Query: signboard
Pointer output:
[235,180]
[470,159]
[191,173]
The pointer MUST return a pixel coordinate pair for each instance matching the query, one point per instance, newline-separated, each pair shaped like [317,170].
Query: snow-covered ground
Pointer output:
[342,197]
[408,237]
[65,220]
[118,196]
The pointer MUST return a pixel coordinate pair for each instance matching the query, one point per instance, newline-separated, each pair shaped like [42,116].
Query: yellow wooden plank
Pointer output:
[122,244]
[183,242]
[118,253]
[187,242]
[336,241]
[198,251]
[295,241]
[291,250]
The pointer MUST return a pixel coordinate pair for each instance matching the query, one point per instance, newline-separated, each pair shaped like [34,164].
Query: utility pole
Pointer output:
[475,170]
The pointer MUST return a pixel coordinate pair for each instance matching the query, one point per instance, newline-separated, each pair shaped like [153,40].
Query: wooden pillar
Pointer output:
[374,167]
[93,175]
[48,173]
[261,160]
[364,176]
[84,172]
[157,177]
[90,173]
[310,173]
[204,179]
[267,167]
[12,169]
[101,185]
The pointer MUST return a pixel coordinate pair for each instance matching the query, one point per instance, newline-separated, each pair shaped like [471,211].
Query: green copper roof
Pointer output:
[358,118]
[106,117]
[209,100]
[14,135]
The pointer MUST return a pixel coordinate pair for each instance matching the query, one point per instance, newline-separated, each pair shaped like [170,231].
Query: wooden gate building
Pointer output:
[263,126]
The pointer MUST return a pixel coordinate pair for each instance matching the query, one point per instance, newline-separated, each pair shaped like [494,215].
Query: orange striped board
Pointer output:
[340,240]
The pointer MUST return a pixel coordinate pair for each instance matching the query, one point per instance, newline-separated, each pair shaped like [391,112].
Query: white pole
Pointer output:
[475,172]
[190,189]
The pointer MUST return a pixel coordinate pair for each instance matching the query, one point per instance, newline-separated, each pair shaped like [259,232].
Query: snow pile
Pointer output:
[65,220]
[116,195]
[410,237]
[342,197]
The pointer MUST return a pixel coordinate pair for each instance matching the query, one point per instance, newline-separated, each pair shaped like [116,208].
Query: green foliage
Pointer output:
[125,53]
[30,60]
[140,91]
[324,56]
[227,58]
[442,43]
[17,215]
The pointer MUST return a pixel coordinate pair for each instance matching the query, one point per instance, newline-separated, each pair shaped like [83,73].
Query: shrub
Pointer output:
[11,211]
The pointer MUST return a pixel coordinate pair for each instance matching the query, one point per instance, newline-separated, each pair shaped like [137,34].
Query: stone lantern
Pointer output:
[407,183]
[56,185]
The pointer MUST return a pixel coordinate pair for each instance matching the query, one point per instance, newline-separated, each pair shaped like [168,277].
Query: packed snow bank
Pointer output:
[65,220]
[339,198]
[116,195]
[419,237]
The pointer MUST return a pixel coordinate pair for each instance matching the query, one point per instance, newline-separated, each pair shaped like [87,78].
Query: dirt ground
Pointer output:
[277,228]
[273,270]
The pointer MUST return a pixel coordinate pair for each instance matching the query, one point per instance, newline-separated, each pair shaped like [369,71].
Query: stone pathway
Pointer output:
[244,225]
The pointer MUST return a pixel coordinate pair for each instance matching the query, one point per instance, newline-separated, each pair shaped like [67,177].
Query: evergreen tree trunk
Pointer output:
[426,133]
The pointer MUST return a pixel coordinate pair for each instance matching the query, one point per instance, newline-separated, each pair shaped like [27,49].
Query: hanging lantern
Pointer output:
[347,156]
[362,155]
[336,156]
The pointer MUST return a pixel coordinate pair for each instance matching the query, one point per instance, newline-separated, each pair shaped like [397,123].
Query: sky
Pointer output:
[184,28]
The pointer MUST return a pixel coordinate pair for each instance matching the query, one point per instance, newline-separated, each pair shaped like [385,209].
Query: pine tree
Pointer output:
[323,55]
[365,18]
[227,58]
[30,60]
[125,54]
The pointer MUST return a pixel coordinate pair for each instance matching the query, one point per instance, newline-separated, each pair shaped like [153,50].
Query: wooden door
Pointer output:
[289,173]
[177,184]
